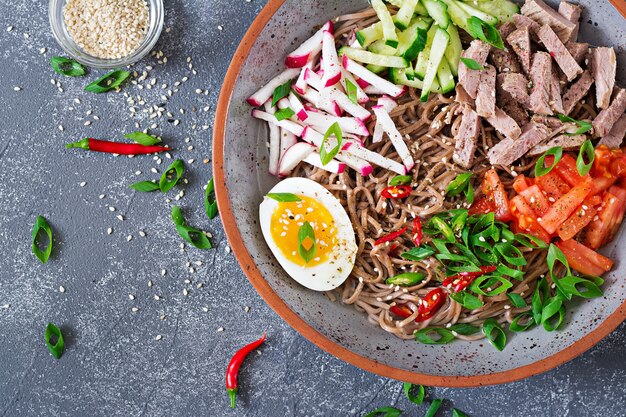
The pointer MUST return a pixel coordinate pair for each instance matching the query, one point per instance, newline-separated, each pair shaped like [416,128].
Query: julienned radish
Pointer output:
[274,142]
[347,124]
[330,61]
[264,94]
[372,79]
[310,47]
[396,138]
[336,95]
[292,127]
[293,156]
[388,104]
[333,166]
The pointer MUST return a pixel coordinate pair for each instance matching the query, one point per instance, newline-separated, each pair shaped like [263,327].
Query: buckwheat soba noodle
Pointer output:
[429,130]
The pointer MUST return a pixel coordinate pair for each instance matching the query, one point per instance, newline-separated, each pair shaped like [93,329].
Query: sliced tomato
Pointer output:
[525,220]
[605,222]
[617,166]
[494,190]
[620,194]
[601,161]
[603,183]
[566,169]
[577,221]
[552,185]
[482,205]
[536,199]
[565,206]
[521,183]
[584,260]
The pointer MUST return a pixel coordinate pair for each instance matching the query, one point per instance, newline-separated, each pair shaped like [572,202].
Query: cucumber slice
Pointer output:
[380,47]
[422,58]
[485,17]
[445,77]
[399,76]
[421,10]
[376,69]
[457,15]
[503,10]
[437,51]
[410,43]
[368,57]
[389,29]
[405,14]
[438,11]
[370,34]
[454,49]
[410,72]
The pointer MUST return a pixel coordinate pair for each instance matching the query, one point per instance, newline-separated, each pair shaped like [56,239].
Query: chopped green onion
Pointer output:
[210,205]
[550,310]
[434,407]
[588,151]
[406,279]
[482,30]
[306,232]
[464,329]
[325,155]
[458,413]
[108,82]
[459,184]
[583,126]
[280,92]
[488,282]
[467,300]
[283,114]
[494,333]
[516,327]
[517,300]
[166,183]
[443,228]
[385,411]
[415,399]
[419,253]
[351,91]
[542,292]
[42,225]
[458,221]
[66,66]
[177,216]
[471,64]
[56,348]
[540,168]
[145,186]
[441,336]
[556,255]
[284,197]
[142,138]
[569,285]
[530,241]
[400,180]
[192,235]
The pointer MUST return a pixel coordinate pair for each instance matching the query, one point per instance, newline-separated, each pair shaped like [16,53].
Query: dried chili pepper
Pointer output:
[233,368]
[97,145]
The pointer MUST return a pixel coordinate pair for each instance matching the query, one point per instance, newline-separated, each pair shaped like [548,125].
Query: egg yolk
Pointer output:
[286,222]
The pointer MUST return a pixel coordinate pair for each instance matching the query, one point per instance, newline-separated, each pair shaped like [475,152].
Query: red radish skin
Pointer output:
[382,84]
[312,46]
[330,62]
[265,92]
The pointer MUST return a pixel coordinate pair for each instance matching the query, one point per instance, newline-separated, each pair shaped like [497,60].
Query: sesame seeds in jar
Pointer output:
[109,29]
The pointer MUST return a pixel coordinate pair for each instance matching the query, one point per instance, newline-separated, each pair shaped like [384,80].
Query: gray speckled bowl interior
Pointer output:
[245,165]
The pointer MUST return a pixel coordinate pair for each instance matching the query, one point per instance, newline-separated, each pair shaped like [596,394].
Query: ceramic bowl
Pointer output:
[240,163]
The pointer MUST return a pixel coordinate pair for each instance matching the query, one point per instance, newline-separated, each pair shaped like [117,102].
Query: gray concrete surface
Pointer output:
[113,365]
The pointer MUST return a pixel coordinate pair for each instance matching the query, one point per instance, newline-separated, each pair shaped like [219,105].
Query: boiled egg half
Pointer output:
[312,238]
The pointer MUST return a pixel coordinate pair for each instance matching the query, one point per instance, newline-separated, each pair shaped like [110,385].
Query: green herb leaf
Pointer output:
[516,327]
[283,114]
[540,168]
[434,407]
[166,182]
[588,151]
[66,66]
[415,399]
[192,235]
[482,30]
[400,180]
[107,82]
[56,348]
[281,91]
[142,138]
[406,279]
[145,186]
[471,64]
[284,197]
[517,300]
[177,216]
[467,300]
[306,232]
[385,411]
[583,126]
[210,205]
[458,413]
[42,225]
[434,336]
[419,253]
[551,308]
[459,184]
[327,156]
[351,91]
[494,333]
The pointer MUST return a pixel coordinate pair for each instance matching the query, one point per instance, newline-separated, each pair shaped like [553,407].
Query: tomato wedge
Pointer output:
[494,190]
[607,222]
[461,280]
[431,303]
[566,169]
[584,260]
[521,183]
[577,221]
[525,221]
[603,183]
[481,205]
[565,206]
[552,185]
[396,191]
[536,199]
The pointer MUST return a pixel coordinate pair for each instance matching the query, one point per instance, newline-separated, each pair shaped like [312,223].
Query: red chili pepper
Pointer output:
[461,280]
[396,191]
[417,231]
[97,145]
[430,304]
[233,368]
[390,236]
[401,310]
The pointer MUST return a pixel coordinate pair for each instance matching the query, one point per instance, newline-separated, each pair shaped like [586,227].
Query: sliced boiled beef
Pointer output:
[615,137]
[604,66]
[486,94]
[522,22]
[576,92]
[504,124]
[541,77]
[509,150]
[466,138]
[603,123]
[516,85]
[567,142]
[578,50]
[461,96]
[559,52]
[469,79]
[519,40]
[503,59]
[546,15]
[572,13]
[556,102]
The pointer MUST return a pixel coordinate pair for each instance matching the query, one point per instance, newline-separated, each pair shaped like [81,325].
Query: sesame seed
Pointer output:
[61,289]
[130,296]
[157,298]
[134,309]
[185,292]
[16,88]
[205,309]
[158,337]
[129,238]
[109,231]
[221,329]
[149,284]
[120,217]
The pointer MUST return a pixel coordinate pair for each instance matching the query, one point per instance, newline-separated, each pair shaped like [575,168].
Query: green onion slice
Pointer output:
[415,399]
[494,333]
[588,151]
[280,92]
[479,29]
[351,91]
[434,407]
[327,156]
[406,279]
[583,126]
[443,228]
[42,225]
[517,300]
[400,180]
[542,292]
[284,197]
[515,325]
[108,82]
[419,253]
[283,114]
[556,255]
[57,347]
[306,233]
[530,241]
[67,67]
[551,308]
[210,205]
[166,183]
[385,411]
[467,300]
[145,186]
[570,285]
[434,336]
[192,235]
[459,184]
[143,138]
[490,281]
[177,216]
[471,64]
[458,413]
[540,168]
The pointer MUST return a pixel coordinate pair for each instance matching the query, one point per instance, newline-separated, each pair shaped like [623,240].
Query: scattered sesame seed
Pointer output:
[109,231]
[120,217]
[246,309]
[185,292]
[16,88]
[134,309]
[61,289]
[111,208]
[158,337]
[129,238]
[157,298]
[130,296]
[221,329]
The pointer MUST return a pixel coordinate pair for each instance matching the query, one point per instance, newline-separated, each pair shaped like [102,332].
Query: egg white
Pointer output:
[327,275]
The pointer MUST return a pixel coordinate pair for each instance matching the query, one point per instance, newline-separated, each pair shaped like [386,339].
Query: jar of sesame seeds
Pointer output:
[106,33]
